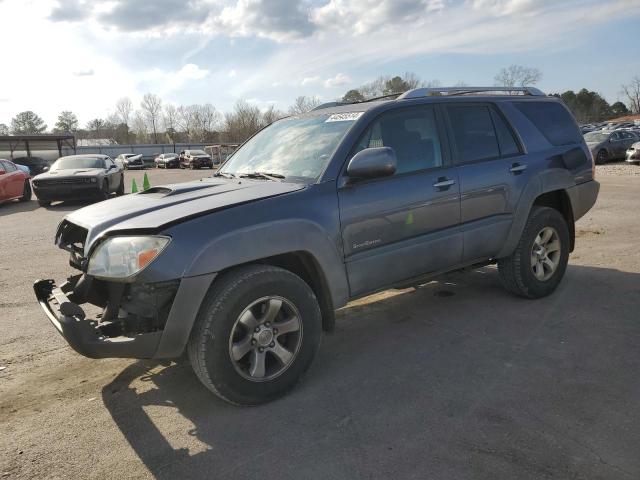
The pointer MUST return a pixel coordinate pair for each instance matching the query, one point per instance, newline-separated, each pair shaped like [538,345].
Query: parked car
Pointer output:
[195,159]
[167,160]
[605,145]
[14,183]
[130,160]
[221,152]
[36,165]
[79,177]
[633,153]
[244,269]
[24,168]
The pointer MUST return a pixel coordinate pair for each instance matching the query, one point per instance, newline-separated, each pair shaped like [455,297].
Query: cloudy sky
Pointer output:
[82,55]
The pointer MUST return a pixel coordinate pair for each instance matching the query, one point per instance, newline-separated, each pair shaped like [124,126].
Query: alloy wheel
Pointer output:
[545,253]
[265,338]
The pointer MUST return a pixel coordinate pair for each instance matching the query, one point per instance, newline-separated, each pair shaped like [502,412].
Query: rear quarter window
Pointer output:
[552,120]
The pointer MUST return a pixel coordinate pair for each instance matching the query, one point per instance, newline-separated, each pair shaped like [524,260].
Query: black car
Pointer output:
[244,270]
[36,165]
[195,159]
[167,160]
[79,177]
[130,160]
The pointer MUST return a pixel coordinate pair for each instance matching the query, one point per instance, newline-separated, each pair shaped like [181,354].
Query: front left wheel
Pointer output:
[26,192]
[256,334]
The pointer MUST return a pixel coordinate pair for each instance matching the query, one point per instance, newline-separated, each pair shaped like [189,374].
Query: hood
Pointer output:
[160,206]
[71,172]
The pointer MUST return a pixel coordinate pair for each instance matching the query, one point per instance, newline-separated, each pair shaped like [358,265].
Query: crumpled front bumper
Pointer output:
[87,338]
[83,334]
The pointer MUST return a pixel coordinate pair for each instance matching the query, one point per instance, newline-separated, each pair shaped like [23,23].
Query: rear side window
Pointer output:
[473,133]
[553,121]
[507,143]
[413,135]
[8,167]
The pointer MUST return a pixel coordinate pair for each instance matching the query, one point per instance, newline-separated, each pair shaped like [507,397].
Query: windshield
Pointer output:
[65,163]
[292,147]
[196,152]
[596,137]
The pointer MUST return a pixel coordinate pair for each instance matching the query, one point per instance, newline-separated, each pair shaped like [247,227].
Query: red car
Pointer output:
[14,183]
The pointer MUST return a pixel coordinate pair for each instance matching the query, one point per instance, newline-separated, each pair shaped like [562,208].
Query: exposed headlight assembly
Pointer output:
[125,256]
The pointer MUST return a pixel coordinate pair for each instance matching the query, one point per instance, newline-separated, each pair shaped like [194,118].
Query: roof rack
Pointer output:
[435,91]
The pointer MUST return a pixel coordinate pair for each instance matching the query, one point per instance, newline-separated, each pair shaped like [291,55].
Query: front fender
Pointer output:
[255,242]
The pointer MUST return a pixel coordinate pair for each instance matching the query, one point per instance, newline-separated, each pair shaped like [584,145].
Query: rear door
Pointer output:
[492,171]
[403,226]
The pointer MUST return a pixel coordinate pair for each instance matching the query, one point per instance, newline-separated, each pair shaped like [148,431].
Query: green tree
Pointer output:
[619,109]
[67,122]
[586,106]
[396,84]
[4,130]
[27,123]
[97,125]
[353,96]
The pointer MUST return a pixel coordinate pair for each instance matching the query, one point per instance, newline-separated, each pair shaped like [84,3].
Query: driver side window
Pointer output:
[413,135]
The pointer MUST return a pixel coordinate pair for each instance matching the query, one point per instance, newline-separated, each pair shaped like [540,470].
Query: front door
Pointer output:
[403,226]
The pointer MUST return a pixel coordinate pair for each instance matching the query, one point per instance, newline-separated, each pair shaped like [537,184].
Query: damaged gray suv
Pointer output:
[243,270]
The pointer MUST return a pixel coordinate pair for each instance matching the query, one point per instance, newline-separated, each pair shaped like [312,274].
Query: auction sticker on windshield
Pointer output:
[344,117]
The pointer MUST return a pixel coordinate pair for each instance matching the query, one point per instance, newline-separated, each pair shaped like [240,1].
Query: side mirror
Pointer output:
[372,163]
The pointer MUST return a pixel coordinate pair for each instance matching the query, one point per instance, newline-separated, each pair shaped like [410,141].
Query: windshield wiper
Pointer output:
[224,174]
[276,177]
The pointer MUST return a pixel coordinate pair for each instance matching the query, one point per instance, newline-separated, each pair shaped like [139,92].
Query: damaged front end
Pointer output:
[130,317]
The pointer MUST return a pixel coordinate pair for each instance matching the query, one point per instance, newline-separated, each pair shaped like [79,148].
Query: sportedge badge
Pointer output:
[344,117]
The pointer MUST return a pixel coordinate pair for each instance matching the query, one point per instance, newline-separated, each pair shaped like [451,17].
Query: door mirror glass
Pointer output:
[372,163]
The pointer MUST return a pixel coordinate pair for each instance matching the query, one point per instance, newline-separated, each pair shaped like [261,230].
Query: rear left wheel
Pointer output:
[537,265]
[257,333]
[120,190]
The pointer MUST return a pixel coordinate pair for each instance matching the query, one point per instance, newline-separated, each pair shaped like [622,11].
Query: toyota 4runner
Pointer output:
[243,270]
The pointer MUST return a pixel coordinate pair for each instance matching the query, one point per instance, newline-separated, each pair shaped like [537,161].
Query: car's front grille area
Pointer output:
[62,181]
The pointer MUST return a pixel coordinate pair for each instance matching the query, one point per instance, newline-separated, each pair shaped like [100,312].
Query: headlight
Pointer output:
[123,257]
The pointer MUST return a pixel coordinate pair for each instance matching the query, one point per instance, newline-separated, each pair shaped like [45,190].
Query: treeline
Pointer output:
[158,122]
[155,121]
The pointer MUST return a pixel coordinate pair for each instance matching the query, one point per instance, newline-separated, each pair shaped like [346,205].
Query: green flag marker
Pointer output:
[145,182]
[134,187]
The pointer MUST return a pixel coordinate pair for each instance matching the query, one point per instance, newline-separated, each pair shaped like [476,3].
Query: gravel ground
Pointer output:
[618,169]
[455,379]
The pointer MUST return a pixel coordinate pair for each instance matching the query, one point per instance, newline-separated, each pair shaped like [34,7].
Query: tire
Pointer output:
[44,203]
[120,190]
[218,327]
[26,192]
[602,157]
[517,272]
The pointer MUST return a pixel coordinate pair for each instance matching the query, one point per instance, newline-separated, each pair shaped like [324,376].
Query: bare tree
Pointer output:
[517,76]
[170,117]
[139,127]
[632,92]
[124,107]
[208,119]
[152,107]
[272,114]
[303,104]
[243,121]
[97,126]
[185,120]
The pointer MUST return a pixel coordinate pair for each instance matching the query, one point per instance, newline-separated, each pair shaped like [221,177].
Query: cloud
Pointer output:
[279,20]
[232,73]
[69,11]
[139,15]
[84,73]
[338,81]
[364,16]
[164,82]
[311,80]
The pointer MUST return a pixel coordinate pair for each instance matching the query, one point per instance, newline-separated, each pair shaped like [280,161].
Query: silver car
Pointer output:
[605,145]
[633,153]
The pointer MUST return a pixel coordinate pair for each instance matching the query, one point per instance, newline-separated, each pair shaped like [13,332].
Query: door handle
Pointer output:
[443,183]
[517,168]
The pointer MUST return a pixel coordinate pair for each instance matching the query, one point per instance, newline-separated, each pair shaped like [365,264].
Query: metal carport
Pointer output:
[12,143]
